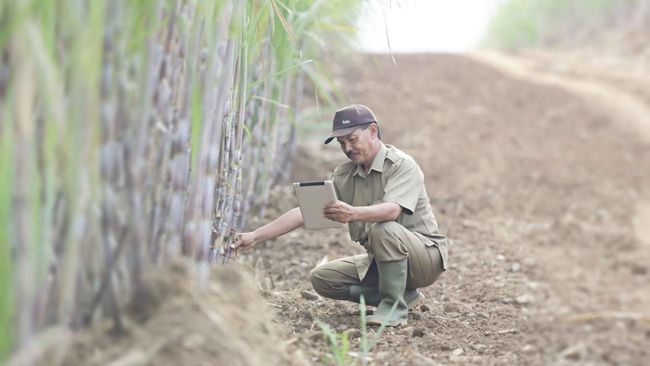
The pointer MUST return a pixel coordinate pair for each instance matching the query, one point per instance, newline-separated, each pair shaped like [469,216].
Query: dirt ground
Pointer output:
[543,189]
[178,321]
[538,170]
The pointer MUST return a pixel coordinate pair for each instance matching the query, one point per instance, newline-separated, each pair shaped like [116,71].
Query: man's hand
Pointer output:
[244,241]
[339,211]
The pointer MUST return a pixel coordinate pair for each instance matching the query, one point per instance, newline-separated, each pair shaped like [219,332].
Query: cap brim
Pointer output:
[340,133]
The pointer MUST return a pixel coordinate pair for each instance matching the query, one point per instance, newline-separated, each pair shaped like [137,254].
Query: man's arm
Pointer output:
[289,221]
[342,212]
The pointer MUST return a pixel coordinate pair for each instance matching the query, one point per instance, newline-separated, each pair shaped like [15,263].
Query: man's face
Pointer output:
[358,146]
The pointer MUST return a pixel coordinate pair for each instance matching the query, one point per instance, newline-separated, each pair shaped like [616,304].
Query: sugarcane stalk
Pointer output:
[23,134]
[128,124]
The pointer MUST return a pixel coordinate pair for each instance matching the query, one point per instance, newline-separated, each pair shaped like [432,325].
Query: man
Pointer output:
[383,200]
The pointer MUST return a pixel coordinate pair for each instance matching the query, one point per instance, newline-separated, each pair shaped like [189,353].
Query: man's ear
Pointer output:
[374,130]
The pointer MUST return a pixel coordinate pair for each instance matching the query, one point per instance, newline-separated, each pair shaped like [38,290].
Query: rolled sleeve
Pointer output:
[404,185]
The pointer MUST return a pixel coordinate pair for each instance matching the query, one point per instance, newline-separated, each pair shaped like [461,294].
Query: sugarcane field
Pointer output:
[312,182]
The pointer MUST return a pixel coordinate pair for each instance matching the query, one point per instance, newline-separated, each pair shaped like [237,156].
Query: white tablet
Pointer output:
[312,198]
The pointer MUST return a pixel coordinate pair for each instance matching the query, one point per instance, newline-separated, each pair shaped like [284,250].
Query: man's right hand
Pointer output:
[244,241]
[289,221]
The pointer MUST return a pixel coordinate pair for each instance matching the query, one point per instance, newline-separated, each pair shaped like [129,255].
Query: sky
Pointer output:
[424,25]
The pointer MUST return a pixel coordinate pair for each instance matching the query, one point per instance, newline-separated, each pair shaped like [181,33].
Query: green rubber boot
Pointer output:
[371,295]
[392,308]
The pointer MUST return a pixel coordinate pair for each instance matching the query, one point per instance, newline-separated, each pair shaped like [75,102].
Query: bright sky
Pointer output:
[424,25]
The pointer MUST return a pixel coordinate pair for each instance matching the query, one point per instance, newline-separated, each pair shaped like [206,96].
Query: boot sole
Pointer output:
[394,323]
[399,322]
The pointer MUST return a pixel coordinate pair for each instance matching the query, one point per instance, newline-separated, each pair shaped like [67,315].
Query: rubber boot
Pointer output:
[392,308]
[371,295]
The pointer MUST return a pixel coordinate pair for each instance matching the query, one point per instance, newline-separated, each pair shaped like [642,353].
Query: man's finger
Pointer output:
[331,217]
[330,213]
[332,209]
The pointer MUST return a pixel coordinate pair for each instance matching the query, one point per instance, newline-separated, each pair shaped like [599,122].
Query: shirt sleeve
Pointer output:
[404,185]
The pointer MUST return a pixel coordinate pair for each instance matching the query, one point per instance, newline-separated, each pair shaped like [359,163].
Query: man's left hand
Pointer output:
[339,211]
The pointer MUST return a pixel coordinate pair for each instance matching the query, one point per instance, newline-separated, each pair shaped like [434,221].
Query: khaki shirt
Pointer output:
[393,177]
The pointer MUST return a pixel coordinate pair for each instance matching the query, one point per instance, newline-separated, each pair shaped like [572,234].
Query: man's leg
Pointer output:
[393,241]
[403,261]
[339,280]
[334,279]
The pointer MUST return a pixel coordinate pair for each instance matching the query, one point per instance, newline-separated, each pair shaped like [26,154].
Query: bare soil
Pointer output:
[223,321]
[542,187]
[544,191]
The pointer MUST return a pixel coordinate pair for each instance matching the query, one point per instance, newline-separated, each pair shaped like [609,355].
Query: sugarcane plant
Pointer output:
[135,132]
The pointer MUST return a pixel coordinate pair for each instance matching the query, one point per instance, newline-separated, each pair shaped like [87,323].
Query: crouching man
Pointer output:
[383,200]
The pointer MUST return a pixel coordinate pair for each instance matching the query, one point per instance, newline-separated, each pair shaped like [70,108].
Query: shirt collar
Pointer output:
[377,163]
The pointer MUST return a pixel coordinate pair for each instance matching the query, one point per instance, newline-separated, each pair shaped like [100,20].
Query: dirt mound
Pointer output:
[224,323]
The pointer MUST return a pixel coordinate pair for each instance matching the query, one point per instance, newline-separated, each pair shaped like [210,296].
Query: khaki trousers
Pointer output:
[387,241]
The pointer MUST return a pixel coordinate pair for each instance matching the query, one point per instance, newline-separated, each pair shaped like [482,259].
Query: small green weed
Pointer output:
[340,353]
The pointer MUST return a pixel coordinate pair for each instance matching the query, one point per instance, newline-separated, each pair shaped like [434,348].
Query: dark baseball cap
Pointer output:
[348,119]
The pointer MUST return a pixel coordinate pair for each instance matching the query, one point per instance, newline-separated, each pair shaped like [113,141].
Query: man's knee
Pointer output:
[384,241]
[325,285]
[317,280]
[321,283]
[382,230]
